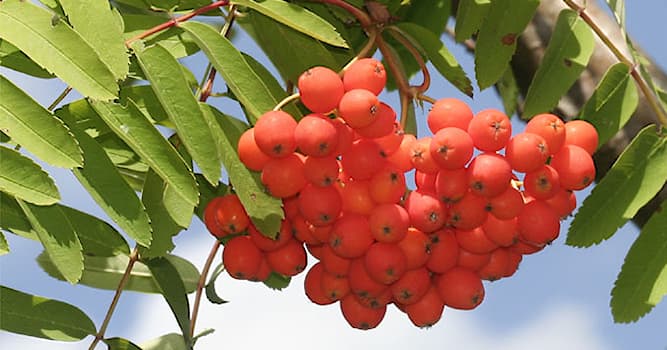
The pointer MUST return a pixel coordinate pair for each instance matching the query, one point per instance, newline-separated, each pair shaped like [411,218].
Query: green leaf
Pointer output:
[242,80]
[171,341]
[566,56]
[277,281]
[171,88]
[172,288]
[144,97]
[106,273]
[637,175]
[35,128]
[618,7]
[496,42]
[164,226]
[411,123]
[469,17]
[58,238]
[56,47]
[273,86]
[103,31]
[23,178]
[172,39]
[298,18]
[121,155]
[96,236]
[612,104]
[12,58]
[265,211]
[137,131]
[642,282]
[508,89]
[81,115]
[40,317]
[4,246]
[120,344]
[285,47]
[105,184]
[211,294]
[439,55]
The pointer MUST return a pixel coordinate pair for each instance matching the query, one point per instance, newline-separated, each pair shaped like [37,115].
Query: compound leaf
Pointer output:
[25,179]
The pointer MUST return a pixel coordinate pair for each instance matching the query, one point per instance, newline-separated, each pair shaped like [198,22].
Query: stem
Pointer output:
[428,99]
[643,86]
[401,36]
[60,98]
[372,34]
[134,256]
[174,21]
[201,284]
[286,100]
[405,102]
[394,66]
[207,86]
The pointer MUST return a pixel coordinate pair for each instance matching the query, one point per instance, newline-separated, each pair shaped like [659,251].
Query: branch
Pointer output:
[201,284]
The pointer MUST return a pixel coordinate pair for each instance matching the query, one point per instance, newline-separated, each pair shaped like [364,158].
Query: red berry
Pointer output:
[321,89]
[449,112]
[365,73]
[358,108]
[550,127]
[527,152]
[490,130]
[315,135]
[274,134]
[583,134]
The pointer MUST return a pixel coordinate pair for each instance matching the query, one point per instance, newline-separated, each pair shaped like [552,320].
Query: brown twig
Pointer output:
[402,37]
[201,284]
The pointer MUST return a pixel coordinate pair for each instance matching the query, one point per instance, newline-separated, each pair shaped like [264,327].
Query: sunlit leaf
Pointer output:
[25,179]
[106,273]
[566,56]
[81,115]
[298,18]
[137,131]
[496,42]
[508,91]
[4,246]
[101,26]
[144,97]
[642,282]
[264,211]
[105,184]
[469,17]
[56,47]
[12,58]
[276,90]
[637,175]
[251,91]
[172,288]
[36,129]
[58,238]
[439,55]
[612,104]
[171,341]
[164,226]
[618,7]
[172,39]
[40,317]
[172,90]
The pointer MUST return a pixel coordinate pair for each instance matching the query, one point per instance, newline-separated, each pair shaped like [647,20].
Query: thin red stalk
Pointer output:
[201,284]
[359,14]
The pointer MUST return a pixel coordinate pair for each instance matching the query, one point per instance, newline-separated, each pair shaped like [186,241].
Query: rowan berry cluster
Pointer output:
[483,198]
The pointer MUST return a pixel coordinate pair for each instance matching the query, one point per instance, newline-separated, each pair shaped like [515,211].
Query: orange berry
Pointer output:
[320,89]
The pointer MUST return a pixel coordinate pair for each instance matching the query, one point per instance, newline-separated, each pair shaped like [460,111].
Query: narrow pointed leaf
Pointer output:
[25,179]
[171,341]
[56,47]
[4,246]
[137,131]
[566,56]
[469,17]
[298,18]
[105,184]
[285,47]
[172,90]
[120,344]
[618,7]
[126,160]
[58,238]
[211,294]
[172,288]
[12,58]
[264,211]
[276,90]
[36,129]
[101,26]
[164,226]
[173,39]
[40,317]
[642,282]
[637,175]
[96,236]
[144,97]
[508,89]
[612,104]
[81,115]
[496,42]
[106,272]
[439,55]
[250,90]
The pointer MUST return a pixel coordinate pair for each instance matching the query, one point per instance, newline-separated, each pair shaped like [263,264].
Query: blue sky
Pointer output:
[558,299]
